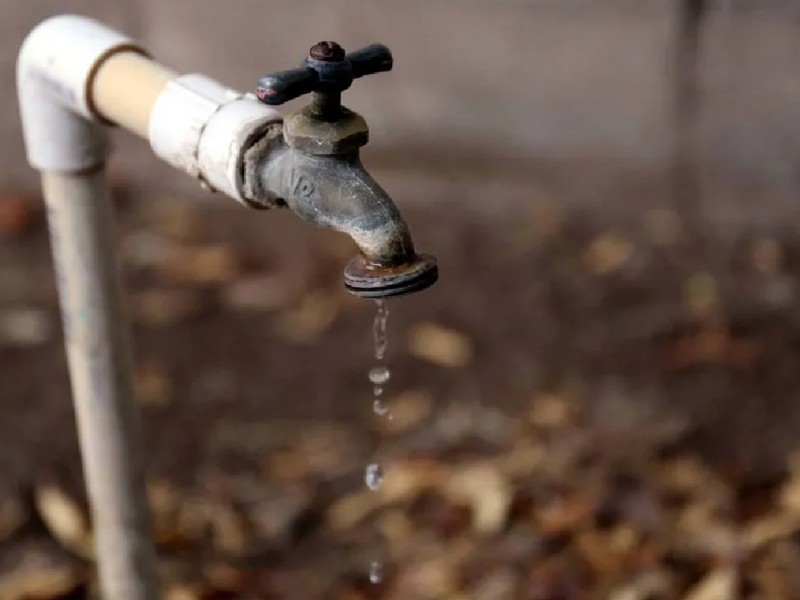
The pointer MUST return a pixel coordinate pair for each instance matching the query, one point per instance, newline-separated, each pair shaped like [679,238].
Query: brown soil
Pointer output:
[669,328]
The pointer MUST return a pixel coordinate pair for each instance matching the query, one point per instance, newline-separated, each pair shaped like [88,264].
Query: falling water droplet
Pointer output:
[376,572]
[373,476]
[379,375]
[379,329]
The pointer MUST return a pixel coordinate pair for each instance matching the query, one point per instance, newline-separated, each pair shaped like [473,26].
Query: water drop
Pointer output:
[379,375]
[379,329]
[373,476]
[377,390]
[379,407]
[376,572]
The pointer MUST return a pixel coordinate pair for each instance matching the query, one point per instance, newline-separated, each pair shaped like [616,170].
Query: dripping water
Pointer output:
[373,476]
[376,572]
[378,376]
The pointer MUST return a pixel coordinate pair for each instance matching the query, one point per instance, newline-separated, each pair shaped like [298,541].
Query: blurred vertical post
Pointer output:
[691,18]
[81,229]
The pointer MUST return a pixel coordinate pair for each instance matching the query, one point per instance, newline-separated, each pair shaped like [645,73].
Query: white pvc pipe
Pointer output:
[126,87]
[82,233]
[55,69]
[74,76]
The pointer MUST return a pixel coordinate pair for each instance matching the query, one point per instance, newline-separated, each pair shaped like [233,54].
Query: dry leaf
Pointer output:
[199,265]
[770,528]
[525,458]
[551,411]
[608,253]
[275,515]
[646,586]
[720,584]
[406,480]
[597,549]
[407,410]
[350,510]
[194,517]
[25,327]
[310,319]
[259,293]
[164,500]
[564,515]
[229,529]
[39,573]
[428,579]
[396,526]
[439,345]
[65,518]
[484,489]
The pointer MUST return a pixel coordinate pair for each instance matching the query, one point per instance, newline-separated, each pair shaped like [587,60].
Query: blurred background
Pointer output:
[599,399]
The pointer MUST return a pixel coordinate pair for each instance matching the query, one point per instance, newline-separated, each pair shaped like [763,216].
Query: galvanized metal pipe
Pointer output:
[82,234]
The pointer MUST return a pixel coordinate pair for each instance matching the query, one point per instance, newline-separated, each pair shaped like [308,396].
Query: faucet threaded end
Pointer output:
[373,281]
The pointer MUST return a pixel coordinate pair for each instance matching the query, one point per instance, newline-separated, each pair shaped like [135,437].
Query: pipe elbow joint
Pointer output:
[55,68]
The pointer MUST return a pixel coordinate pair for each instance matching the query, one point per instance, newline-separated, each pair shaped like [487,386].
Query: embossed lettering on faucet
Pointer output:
[300,184]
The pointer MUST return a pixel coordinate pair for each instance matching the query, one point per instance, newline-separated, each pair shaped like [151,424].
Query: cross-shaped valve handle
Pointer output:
[327,71]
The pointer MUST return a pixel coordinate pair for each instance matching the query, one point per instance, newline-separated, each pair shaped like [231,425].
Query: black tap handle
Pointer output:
[326,70]
[283,86]
[374,58]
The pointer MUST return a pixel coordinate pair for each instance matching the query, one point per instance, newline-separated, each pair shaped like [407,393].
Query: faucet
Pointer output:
[76,77]
[313,167]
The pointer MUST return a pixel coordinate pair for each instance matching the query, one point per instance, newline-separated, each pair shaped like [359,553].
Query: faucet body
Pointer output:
[338,193]
[315,170]
[75,77]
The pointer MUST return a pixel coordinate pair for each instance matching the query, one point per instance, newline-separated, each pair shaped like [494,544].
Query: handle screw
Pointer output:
[327,52]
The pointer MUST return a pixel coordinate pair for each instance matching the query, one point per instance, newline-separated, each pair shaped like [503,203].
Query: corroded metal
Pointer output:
[338,193]
[306,131]
[367,280]
[315,170]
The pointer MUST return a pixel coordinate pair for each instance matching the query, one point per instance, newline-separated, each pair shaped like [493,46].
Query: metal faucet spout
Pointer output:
[337,192]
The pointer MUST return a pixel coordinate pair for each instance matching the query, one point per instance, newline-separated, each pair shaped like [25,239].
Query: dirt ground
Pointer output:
[597,400]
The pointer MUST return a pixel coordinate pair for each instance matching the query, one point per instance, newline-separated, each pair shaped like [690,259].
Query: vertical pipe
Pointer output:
[81,229]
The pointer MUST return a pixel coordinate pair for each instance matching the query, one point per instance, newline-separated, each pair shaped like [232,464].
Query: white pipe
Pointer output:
[74,76]
[79,216]
[126,87]
[55,69]
[204,128]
